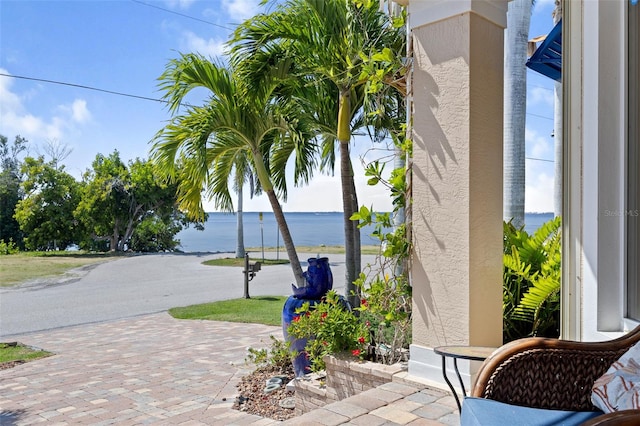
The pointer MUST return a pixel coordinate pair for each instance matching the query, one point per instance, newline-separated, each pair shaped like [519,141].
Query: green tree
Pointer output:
[117,198]
[243,174]
[45,214]
[10,189]
[330,42]
[201,147]
[156,234]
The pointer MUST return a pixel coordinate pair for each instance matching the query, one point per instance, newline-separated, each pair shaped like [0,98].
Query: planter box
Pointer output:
[344,377]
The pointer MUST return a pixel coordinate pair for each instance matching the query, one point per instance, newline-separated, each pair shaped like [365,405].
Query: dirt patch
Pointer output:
[10,364]
[253,399]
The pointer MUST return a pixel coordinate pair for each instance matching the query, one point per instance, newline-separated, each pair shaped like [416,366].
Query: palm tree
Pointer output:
[328,39]
[557,129]
[515,105]
[238,125]
[243,174]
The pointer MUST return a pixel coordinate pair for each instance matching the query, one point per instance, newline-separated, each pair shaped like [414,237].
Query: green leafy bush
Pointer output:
[385,289]
[278,355]
[531,281]
[8,248]
[384,284]
[330,328]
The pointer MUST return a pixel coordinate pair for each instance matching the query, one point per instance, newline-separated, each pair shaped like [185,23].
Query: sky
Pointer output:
[123,46]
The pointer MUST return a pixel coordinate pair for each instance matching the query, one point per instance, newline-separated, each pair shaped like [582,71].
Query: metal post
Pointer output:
[246,276]
[261,235]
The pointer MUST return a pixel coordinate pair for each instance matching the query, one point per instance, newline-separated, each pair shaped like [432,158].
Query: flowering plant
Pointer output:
[330,328]
[384,284]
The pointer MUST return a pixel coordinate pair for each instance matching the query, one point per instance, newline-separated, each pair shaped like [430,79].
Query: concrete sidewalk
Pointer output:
[154,369]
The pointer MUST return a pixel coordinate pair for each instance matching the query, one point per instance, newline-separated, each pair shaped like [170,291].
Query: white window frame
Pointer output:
[595,67]
[633,167]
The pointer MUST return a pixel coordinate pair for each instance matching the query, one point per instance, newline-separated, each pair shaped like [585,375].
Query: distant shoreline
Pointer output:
[327,212]
[317,229]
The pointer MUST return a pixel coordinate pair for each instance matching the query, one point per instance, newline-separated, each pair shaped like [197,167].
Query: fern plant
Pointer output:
[531,286]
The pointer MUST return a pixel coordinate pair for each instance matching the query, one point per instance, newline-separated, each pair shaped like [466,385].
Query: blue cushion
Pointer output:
[483,412]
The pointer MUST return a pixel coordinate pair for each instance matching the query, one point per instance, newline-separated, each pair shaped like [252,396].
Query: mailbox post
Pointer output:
[250,270]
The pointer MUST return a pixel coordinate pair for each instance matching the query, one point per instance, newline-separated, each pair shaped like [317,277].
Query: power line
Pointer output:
[539,116]
[539,159]
[146,98]
[181,14]
[81,86]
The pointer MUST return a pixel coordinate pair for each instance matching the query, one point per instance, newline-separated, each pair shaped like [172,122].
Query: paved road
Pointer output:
[139,285]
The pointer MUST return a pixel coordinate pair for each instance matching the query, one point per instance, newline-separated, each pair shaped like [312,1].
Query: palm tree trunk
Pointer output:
[357,244]
[515,104]
[286,238]
[281,221]
[349,201]
[346,177]
[239,227]
[557,130]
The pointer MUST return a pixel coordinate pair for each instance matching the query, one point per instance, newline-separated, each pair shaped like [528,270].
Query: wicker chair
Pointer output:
[549,373]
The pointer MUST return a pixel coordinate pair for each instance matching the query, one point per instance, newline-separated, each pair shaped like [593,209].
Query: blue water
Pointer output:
[533,221]
[307,229]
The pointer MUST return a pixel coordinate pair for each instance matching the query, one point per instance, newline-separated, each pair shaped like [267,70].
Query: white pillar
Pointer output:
[457,178]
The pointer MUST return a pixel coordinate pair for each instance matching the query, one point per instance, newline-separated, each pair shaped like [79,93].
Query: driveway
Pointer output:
[152,369]
[139,285]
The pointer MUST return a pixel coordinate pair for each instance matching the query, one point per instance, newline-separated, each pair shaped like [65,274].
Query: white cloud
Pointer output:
[8,100]
[538,146]
[80,112]
[17,120]
[192,43]
[539,174]
[239,10]
[324,194]
[541,95]
[211,13]
[181,4]
[539,194]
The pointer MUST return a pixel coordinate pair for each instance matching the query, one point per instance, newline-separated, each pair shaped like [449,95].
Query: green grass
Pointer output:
[24,266]
[258,310]
[18,352]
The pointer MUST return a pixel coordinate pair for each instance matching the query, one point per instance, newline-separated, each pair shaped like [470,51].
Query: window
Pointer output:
[633,166]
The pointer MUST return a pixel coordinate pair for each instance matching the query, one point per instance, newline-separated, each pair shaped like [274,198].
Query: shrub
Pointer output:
[278,355]
[385,289]
[329,327]
[531,281]
[8,248]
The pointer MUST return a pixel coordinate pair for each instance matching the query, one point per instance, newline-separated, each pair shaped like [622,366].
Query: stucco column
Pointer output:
[457,116]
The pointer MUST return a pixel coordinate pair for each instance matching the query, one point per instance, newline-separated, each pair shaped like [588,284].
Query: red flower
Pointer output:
[355,352]
[367,323]
[361,339]
[296,318]
[363,302]
[323,315]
